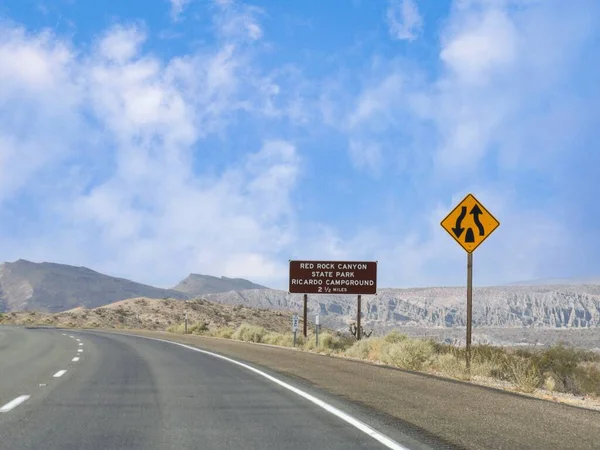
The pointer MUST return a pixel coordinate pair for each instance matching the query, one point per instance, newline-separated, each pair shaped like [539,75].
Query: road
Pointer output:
[82,390]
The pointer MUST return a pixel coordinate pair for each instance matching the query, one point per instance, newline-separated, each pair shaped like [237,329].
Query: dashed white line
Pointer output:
[14,403]
[81,343]
[75,359]
[60,373]
[72,337]
[80,350]
[64,334]
[77,340]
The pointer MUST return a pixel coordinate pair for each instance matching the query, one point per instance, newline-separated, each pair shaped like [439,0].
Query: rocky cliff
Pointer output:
[511,306]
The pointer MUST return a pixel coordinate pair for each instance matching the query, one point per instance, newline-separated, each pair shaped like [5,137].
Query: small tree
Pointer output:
[353,329]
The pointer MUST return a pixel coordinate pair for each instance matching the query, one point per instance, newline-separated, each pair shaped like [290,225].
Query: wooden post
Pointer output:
[358,318]
[469,305]
[305,327]
[186,323]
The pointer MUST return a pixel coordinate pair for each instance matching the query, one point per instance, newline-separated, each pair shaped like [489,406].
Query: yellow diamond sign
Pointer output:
[470,223]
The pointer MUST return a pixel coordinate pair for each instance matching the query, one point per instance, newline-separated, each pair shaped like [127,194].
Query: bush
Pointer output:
[394,337]
[412,354]
[448,364]
[249,333]
[225,332]
[197,328]
[567,369]
[525,374]
[360,349]
[179,329]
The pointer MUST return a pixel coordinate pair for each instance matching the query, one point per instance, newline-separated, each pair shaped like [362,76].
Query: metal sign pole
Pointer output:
[305,326]
[186,323]
[294,326]
[469,305]
[317,329]
[358,319]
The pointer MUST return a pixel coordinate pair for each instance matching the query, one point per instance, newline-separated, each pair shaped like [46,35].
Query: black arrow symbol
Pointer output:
[476,211]
[458,230]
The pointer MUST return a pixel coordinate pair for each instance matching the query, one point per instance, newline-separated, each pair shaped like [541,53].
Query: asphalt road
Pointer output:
[80,390]
[431,409]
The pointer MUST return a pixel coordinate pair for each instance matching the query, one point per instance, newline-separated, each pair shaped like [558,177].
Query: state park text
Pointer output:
[332,277]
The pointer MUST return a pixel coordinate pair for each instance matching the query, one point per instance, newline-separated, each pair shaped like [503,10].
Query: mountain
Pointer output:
[506,306]
[196,284]
[559,282]
[51,287]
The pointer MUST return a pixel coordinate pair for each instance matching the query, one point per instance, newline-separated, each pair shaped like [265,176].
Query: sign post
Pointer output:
[295,326]
[317,329]
[469,224]
[305,317]
[333,277]
[186,323]
[358,308]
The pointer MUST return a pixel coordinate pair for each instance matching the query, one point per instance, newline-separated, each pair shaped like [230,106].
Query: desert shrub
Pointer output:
[412,354]
[198,328]
[360,349]
[394,337]
[178,328]
[524,373]
[570,369]
[328,343]
[101,311]
[450,365]
[249,333]
[225,332]
[273,338]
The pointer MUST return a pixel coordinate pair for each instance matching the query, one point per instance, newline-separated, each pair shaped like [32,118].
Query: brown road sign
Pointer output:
[333,277]
[470,223]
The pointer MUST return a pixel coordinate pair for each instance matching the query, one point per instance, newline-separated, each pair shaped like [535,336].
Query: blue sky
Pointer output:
[151,139]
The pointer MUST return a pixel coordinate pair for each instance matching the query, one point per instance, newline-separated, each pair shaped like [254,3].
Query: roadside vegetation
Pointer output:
[557,369]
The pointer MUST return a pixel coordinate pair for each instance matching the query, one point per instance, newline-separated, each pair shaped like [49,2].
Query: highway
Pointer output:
[69,389]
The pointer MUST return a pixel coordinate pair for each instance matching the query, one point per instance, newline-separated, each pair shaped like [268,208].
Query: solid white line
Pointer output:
[378,436]
[75,359]
[60,373]
[80,350]
[14,403]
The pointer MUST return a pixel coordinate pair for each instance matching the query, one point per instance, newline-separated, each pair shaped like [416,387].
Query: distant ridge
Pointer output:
[558,282]
[197,284]
[52,287]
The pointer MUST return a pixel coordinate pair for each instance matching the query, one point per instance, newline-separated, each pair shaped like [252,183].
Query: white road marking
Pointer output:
[60,373]
[64,334]
[75,359]
[72,337]
[77,340]
[80,350]
[14,403]
[378,436]
[81,343]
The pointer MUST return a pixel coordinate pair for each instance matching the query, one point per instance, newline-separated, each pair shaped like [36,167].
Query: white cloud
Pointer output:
[177,7]
[404,20]
[366,155]
[238,21]
[140,209]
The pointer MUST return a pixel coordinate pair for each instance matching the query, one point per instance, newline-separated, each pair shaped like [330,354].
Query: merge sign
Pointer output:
[333,277]
[469,223]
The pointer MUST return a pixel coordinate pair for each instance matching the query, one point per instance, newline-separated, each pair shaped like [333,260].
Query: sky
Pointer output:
[152,139]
